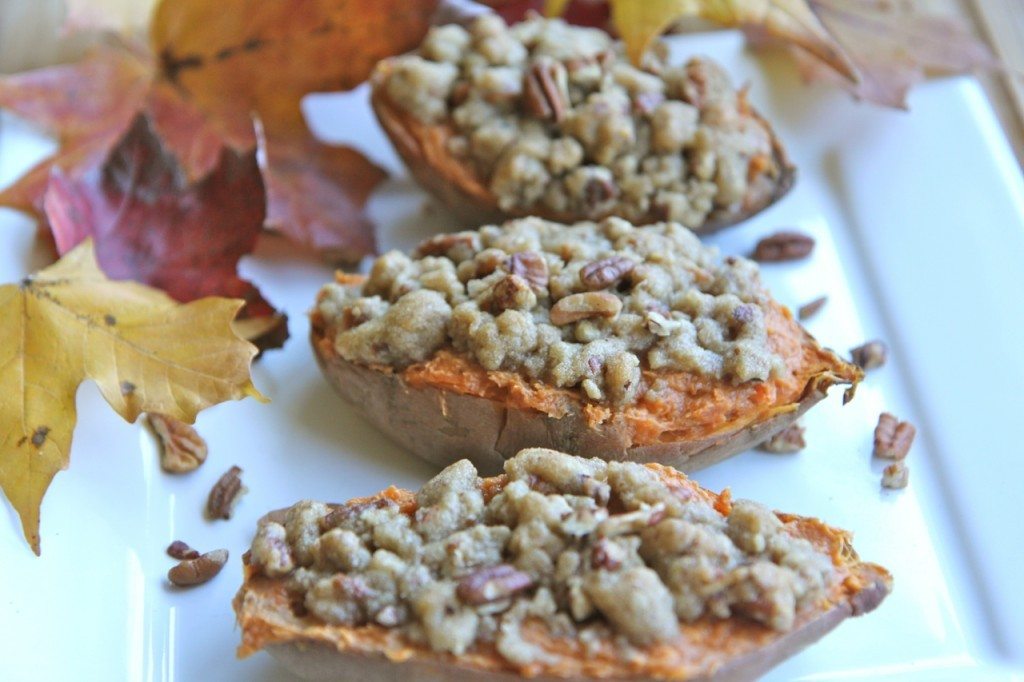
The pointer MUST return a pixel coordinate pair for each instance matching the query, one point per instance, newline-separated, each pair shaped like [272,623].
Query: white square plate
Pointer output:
[919,221]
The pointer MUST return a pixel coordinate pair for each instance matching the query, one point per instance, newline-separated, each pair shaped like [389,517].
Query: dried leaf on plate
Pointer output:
[877,49]
[145,352]
[87,106]
[151,225]
[316,193]
[264,57]
[246,55]
[216,68]
[892,47]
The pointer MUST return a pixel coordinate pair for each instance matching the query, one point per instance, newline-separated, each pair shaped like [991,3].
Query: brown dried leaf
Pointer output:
[316,193]
[893,46]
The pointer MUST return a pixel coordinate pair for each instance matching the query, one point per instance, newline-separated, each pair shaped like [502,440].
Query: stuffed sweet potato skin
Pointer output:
[441,426]
[423,148]
[708,650]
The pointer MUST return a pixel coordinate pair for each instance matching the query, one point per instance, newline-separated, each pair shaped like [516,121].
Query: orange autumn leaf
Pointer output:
[265,56]
[247,56]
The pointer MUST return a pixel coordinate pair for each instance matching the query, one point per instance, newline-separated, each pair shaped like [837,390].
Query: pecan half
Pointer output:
[606,272]
[893,438]
[529,265]
[809,310]
[199,570]
[182,449]
[225,494]
[180,550]
[896,476]
[575,307]
[786,441]
[546,90]
[783,246]
[870,355]
[492,583]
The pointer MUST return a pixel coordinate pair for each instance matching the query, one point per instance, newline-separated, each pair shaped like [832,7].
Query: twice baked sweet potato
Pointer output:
[562,568]
[546,119]
[597,339]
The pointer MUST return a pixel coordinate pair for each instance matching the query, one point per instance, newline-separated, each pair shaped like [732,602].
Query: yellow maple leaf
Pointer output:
[146,352]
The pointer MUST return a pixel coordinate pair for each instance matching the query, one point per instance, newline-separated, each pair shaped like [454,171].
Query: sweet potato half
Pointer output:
[450,407]
[706,650]
[456,184]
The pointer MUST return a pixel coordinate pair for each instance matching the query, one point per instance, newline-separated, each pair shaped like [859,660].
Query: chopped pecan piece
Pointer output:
[546,90]
[598,190]
[783,246]
[199,570]
[180,550]
[182,449]
[786,441]
[512,293]
[577,307]
[646,102]
[895,476]
[870,355]
[631,522]
[529,265]
[812,308]
[893,438]
[340,515]
[492,583]
[659,325]
[225,494]
[606,272]
[607,555]
[390,616]
[441,244]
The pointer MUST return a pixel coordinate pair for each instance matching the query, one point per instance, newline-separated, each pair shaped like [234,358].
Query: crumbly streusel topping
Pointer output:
[586,306]
[554,116]
[593,549]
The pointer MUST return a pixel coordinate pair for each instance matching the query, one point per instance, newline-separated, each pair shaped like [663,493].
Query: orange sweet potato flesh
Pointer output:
[450,407]
[706,650]
[459,187]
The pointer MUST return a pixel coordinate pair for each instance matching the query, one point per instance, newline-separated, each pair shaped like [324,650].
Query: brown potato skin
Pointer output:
[443,426]
[322,652]
[456,185]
